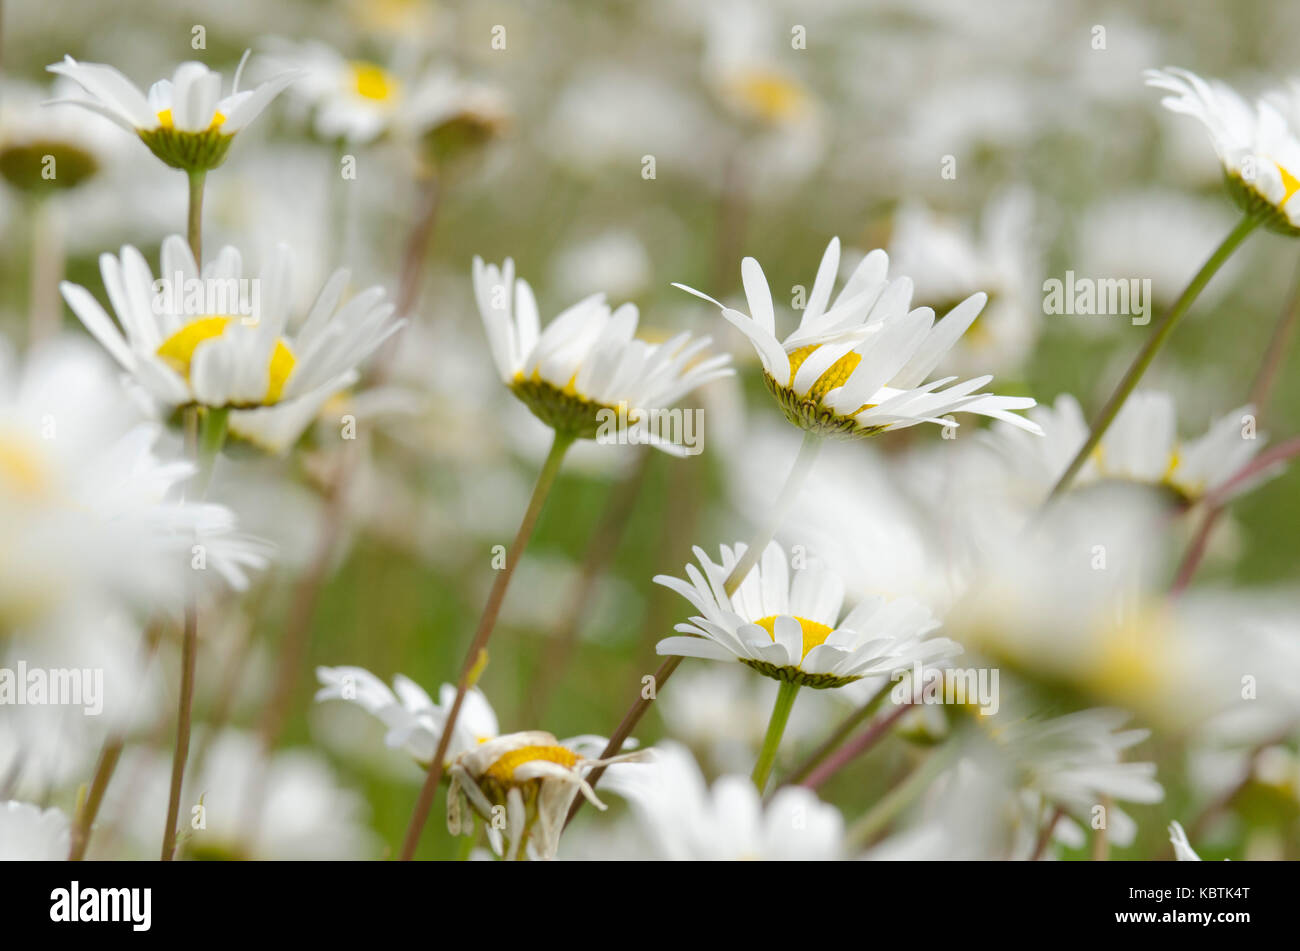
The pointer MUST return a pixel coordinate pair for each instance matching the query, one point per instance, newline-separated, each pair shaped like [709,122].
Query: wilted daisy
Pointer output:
[791,628]
[586,368]
[223,340]
[534,777]
[1257,145]
[856,366]
[29,833]
[414,721]
[185,121]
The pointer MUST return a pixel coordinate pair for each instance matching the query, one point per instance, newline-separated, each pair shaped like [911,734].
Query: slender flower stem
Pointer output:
[48,259]
[862,832]
[189,650]
[563,639]
[106,765]
[794,482]
[842,733]
[775,730]
[194,230]
[1155,341]
[1216,503]
[104,768]
[1260,392]
[475,656]
[1045,834]
[868,739]
[305,598]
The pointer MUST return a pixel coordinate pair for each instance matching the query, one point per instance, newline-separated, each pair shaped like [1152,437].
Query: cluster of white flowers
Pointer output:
[996,603]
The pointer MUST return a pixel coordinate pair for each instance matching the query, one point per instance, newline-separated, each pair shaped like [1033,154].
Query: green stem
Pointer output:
[476,656]
[194,230]
[775,730]
[842,732]
[1159,335]
[213,427]
[862,832]
[189,650]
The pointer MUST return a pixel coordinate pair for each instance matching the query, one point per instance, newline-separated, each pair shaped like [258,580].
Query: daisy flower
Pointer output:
[354,100]
[87,502]
[791,629]
[44,148]
[185,121]
[586,368]
[179,340]
[682,818]
[1142,445]
[360,101]
[31,834]
[856,366]
[534,777]
[414,721]
[1257,145]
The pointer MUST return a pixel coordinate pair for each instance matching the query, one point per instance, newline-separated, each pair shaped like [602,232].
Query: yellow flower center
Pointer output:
[22,468]
[836,375]
[503,770]
[769,95]
[1290,182]
[373,82]
[814,632]
[177,351]
[165,119]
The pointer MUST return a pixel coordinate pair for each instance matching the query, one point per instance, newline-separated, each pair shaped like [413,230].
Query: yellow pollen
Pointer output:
[837,375]
[503,770]
[177,351]
[21,467]
[165,119]
[814,632]
[373,82]
[771,96]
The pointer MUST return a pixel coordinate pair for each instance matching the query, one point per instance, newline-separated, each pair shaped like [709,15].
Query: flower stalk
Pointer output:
[476,653]
[1155,341]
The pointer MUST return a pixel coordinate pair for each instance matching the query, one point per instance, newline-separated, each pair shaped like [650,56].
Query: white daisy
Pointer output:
[1142,445]
[791,629]
[355,100]
[414,721]
[185,121]
[32,133]
[360,101]
[534,777]
[31,834]
[1257,145]
[87,503]
[682,818]
[857,367]
[186,347]
[587,363]
[949,260]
